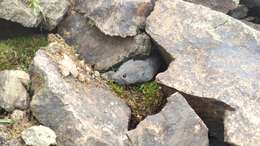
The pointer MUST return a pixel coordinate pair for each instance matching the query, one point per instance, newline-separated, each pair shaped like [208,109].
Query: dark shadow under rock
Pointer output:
[210,111]
[10,29]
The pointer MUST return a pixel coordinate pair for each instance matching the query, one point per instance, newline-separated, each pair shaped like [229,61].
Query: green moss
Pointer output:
[17,53]
[143,99]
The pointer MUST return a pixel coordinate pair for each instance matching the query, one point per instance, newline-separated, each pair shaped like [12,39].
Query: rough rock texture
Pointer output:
[218,5]
[53,12]
[13,92]
[216,57]
[39,136]
[50,12]
[18,115]
[15,142]
[176,125]
[17,11]
[135,71]
[116,17]
[99,50]
[81,112]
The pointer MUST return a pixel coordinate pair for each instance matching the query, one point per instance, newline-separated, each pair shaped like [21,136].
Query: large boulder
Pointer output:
[48,12]
[214,57]
[99,50]
[78,107]
[116,17]
[13,89]
[176,125]
[219,5]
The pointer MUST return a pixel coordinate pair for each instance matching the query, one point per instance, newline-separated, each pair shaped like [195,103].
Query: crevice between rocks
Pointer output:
[210,111]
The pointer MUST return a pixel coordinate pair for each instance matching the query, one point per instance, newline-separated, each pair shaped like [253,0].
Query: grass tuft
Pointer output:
[17,53]
[143,99]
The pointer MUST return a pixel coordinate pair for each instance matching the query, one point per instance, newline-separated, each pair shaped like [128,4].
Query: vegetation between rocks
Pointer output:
[143,99]
[17,53]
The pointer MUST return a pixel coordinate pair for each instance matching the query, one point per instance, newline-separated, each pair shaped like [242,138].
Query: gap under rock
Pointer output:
[211,113]
[12,29]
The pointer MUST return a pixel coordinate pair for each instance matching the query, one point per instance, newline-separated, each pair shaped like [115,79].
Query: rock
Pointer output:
[13,93]
[135,71]
[48,12]
[251,24]
[239,12]
[116,17]
[99,50]
[79,112]
[39,136]
[176,125]
[219,5]
[18,11]
[68,67]
[215,57]
[53,12]
[18,115]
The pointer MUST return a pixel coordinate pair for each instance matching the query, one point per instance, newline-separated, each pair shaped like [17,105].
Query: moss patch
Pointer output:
[143,99]
[17,53]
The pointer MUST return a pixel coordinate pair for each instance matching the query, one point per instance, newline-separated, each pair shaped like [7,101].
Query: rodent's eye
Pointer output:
[124,75]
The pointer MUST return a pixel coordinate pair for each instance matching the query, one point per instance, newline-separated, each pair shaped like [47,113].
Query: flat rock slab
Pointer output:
[216,57]
[81,112]
[116,17]
[99,50]
[13,90]
[176,125]
[219,5]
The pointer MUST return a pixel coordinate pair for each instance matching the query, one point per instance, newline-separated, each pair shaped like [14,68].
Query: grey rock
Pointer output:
[13,92]
[135,71]
[219,5]
[251,24]
[176,125]
[99,50]
[116,17]
[18,115]
[18,11]
[239,12]
[50,12]
[39,136]
[53,12]
[80,113]
[215,57]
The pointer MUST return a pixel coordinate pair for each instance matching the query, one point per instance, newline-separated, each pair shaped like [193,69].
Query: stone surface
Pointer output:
[215,57]
[18,115]
[176,125]
[81,113]
[99,50]
[39,136]
[18,11]
[13,92]
[135,71]
[219,5]
[116,17]
[53,12]
[49,12]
